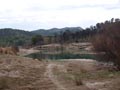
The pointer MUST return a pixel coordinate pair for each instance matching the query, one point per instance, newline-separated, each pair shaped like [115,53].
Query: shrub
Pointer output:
[108,42]
[78,80]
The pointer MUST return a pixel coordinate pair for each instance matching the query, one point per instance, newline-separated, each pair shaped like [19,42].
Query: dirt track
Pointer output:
[49,73]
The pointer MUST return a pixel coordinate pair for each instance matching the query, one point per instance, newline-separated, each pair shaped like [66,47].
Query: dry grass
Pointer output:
[78,80]
[81,74]
[19,73]
[4,83]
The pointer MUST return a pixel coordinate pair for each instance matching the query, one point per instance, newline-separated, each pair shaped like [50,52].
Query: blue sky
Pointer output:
[44,14]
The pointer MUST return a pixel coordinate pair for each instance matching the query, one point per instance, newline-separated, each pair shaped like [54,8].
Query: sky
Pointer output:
[45,14]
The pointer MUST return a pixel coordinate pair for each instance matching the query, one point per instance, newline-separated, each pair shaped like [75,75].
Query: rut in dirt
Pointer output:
[51,76]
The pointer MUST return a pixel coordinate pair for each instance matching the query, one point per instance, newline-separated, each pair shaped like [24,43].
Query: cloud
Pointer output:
[35,14]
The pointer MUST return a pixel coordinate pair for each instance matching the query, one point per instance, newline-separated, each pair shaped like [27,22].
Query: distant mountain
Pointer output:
[51,32]
[16,32]
[10,36]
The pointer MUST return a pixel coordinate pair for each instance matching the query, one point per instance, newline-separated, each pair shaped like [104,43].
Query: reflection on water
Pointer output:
[41,55]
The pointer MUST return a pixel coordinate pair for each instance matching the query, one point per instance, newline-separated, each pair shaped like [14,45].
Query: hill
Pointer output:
[51,32]
[9,36]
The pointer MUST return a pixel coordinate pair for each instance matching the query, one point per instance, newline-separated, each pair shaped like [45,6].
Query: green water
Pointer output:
[61,56]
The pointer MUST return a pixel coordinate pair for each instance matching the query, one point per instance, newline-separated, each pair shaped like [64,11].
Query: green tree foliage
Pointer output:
[37,40]
[14,37]
[78,36]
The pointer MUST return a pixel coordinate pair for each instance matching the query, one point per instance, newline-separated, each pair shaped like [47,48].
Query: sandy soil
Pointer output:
[24,52]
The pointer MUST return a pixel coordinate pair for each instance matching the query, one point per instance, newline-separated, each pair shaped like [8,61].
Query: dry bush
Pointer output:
[108,42]
[9,50]
[78,80]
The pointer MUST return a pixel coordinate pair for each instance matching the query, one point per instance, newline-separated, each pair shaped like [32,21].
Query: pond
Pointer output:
[41,55]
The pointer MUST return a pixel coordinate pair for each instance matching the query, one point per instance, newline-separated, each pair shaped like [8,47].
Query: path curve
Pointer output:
[51,76]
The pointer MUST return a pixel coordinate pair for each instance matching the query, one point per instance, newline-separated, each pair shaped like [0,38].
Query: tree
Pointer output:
[37,40]
[61,41]
[67,36]
[56,36]
[108,41]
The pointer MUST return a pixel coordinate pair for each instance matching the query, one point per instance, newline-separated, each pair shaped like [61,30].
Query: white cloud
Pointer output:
[35,14]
